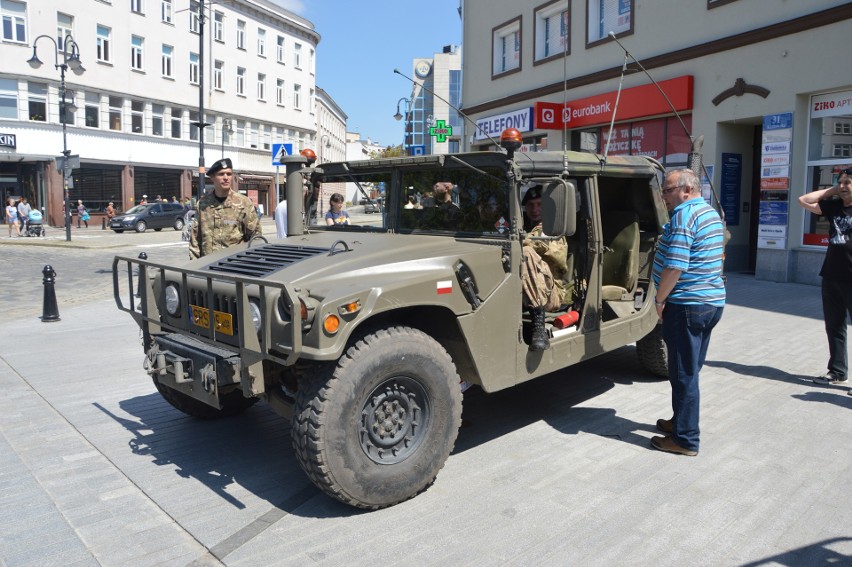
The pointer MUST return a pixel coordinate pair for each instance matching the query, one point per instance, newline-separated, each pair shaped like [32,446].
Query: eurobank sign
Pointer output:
[635,102]
[494,125]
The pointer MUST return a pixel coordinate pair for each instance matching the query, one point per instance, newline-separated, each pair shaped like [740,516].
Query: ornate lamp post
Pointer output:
[69,61]
[398,117]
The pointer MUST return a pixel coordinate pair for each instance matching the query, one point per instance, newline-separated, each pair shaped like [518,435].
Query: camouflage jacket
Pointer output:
[219,225]
[555,255]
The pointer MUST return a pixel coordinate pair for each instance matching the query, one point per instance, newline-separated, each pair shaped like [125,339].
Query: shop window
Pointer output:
[157,111]
[115,105]
[9,98]
[552,25]
[821,177]
[606,16]
[38,102]
[14,20]
[506,48]
[93,109]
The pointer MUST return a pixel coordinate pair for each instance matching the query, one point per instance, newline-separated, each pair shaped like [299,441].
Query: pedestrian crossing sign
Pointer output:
[280,151]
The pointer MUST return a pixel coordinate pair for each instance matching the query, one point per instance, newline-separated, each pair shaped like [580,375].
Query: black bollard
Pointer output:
[50,311]
[103,223]
[142,256]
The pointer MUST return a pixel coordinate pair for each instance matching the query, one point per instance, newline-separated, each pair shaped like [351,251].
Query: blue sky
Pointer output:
[363,41]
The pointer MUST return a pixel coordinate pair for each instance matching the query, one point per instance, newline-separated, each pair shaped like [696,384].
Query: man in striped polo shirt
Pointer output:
[690,299]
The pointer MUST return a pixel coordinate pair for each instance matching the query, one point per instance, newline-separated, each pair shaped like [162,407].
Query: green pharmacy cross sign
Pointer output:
[441,130]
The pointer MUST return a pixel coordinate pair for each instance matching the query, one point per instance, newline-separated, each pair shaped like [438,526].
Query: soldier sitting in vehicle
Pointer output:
[547,280]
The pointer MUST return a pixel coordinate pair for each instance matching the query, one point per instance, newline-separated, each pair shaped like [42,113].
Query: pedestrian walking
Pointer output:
[12,217]
[224,216]
[24,210]
[82,214]
[110,212]
[835,204]
[690,299]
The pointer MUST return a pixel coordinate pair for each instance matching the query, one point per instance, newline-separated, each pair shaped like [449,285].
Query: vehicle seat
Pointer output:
[620,269]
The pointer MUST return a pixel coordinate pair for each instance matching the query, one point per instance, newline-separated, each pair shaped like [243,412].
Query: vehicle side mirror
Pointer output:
[559,208]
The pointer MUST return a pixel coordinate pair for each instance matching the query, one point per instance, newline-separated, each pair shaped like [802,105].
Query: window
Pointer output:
[311,101]
[218,68]
[115,105]
[261,42]
[253,138]
[64,28]
[279,54]
[279,92]
[267,138]
[843,128]
[241,134]
[137,7]
[38,102]
[136,44]
[455,100]
[157,111]
[166,11]
[104,49]
[168,50]
[842,150]
[297,97]
[608,16]
[241,34]
[297,55]
[241,81]
[219,26]
[93,110]
[311,66]
[552,22]
[14,20]
[193,68]
[9,98]
[68,107]
[261,86]
[209,129]
[137,116]
[506,47]
[193,125]
[194,25]
[177,122]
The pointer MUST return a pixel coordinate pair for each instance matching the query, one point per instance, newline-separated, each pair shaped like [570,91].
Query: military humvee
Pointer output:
[365,335]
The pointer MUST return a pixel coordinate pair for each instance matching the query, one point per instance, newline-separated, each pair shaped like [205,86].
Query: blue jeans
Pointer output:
[686,330]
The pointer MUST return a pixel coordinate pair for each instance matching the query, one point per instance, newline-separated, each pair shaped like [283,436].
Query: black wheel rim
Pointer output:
[394,420]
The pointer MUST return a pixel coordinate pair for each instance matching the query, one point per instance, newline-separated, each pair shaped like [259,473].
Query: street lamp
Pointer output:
[398,117]
[69,61]
[226,127]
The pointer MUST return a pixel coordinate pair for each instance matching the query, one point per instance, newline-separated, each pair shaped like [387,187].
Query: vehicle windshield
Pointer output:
[136,210]
[432,199]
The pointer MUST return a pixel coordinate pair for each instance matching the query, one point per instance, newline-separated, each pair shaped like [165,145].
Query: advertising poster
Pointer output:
[730,185]
[775,180]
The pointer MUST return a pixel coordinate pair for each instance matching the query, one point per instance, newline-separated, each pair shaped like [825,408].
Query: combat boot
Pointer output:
[540,340]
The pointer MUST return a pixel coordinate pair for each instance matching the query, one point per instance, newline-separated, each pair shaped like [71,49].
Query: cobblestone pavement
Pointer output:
[97,469]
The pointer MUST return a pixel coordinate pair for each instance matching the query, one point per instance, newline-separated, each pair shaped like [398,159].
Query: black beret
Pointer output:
[533,192]
[224,163]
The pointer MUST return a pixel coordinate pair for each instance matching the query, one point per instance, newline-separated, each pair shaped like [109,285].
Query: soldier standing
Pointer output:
[224,216]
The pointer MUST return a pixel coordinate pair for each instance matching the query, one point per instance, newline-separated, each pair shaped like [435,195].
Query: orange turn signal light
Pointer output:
[331,323]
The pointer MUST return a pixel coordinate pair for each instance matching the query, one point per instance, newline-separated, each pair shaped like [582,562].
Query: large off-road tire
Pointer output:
[233,403]
[178,224]
[374,429]
[653,354]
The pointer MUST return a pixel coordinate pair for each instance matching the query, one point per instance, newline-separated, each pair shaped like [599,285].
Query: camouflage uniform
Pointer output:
[546,279]
[219,225]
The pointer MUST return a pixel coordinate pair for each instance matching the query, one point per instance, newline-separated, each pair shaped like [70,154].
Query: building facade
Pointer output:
[764,87]
[330,141]
[132,116]
[432,122]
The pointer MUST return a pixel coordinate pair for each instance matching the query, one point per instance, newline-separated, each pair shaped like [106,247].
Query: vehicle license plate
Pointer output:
[223,322]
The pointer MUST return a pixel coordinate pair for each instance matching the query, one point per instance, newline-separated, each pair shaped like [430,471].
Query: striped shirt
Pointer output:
[692,243]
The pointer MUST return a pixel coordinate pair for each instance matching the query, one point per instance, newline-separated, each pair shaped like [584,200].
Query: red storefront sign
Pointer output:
[636,102]
[645,138]
[775,183]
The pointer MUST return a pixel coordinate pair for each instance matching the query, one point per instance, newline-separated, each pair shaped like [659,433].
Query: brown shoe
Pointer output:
[665,425]
[668,445]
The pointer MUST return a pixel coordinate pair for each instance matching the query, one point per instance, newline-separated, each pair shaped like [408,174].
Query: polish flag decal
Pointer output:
[445,286]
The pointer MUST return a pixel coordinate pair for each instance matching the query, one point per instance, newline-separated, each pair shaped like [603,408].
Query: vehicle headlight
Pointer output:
[254,310]
[172,299]
[130,218]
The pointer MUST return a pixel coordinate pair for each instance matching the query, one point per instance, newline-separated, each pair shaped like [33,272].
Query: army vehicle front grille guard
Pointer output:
[198,286]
